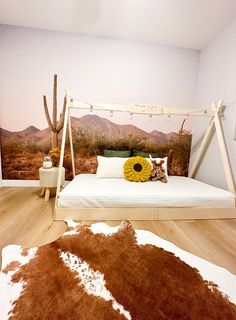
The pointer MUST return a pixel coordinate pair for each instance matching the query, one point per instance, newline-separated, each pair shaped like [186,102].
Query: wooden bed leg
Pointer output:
[47,194]
[42,192]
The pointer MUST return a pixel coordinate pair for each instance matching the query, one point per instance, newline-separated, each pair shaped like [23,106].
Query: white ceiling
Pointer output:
[182,23]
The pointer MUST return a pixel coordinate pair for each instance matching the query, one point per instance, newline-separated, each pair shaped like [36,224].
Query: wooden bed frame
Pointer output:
[215,113]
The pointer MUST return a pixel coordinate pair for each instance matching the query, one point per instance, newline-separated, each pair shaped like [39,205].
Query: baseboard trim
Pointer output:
[20,183]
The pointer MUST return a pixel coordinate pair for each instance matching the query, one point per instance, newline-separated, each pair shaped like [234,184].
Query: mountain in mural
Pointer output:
[23,151]
[97,125]
[93,125]
[28,135]
[28,132]
[164,138]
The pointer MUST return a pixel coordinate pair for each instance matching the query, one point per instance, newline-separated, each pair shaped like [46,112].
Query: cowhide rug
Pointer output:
[100,272]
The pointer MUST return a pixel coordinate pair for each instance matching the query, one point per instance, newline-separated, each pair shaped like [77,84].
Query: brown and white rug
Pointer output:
[100,272]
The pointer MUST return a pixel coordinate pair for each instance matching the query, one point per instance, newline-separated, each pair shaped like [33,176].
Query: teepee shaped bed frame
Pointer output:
[215,114]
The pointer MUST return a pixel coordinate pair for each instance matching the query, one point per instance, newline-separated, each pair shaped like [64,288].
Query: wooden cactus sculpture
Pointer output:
[54,126]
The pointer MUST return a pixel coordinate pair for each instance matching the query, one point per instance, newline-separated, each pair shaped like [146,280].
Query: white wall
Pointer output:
[217,81]
[94,69]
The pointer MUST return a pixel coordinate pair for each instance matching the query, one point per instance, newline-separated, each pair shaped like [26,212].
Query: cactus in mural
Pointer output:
[181,131]
[54,125]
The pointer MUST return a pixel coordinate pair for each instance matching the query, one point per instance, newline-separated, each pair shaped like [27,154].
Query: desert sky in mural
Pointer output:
[26,119]
[23,151]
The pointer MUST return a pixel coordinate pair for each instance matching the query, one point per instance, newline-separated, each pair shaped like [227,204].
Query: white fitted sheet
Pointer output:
[85,190]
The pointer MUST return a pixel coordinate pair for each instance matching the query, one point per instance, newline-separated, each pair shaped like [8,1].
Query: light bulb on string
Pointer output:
[131,116]
[150,117]
[91,109]
[111,113]
[168,117]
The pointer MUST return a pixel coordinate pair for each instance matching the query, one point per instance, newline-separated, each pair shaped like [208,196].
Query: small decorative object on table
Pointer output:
[47,162]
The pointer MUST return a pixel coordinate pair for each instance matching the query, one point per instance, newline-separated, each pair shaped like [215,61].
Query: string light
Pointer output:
[168,117]
[131,116]
[111,113]
[162,111]
[150,117]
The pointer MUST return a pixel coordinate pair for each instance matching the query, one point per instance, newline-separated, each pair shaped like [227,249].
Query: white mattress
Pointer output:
[85,190]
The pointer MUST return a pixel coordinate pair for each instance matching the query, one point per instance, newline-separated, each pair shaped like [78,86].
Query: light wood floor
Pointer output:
[26,219]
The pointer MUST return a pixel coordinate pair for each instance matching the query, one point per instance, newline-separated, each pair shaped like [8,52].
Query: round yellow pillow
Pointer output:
[137,169]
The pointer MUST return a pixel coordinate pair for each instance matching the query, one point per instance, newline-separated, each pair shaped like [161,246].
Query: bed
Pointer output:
[88,198]
[85,190]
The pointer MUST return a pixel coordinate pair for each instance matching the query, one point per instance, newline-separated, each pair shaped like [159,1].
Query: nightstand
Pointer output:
[48,179]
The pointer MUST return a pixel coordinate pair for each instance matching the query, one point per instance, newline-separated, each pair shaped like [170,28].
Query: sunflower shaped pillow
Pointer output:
[137,169]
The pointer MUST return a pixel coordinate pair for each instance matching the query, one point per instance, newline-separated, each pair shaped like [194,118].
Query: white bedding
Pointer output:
[85,190]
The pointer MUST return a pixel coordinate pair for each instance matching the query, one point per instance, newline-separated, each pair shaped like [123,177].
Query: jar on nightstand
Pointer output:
[47,162]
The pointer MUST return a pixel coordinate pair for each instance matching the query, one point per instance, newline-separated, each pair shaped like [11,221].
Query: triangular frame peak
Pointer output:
[215,124]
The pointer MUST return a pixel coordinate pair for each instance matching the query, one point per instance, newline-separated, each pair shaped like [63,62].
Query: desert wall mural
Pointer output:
[23,151]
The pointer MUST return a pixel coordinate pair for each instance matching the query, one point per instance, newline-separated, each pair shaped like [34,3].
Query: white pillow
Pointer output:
[164,164]
[110,167]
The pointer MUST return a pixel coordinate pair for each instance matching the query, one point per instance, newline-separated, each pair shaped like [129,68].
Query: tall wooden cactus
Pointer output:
[54,125]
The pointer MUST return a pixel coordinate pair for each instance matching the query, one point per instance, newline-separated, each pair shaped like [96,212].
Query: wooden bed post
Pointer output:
[215,123]
[201,151]
[223,148]
[63,143]
[71,145]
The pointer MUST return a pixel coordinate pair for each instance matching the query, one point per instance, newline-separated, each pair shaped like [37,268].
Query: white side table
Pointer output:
[48,179]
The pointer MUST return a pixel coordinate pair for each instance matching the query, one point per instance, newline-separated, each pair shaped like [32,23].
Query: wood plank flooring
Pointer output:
[26,219]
